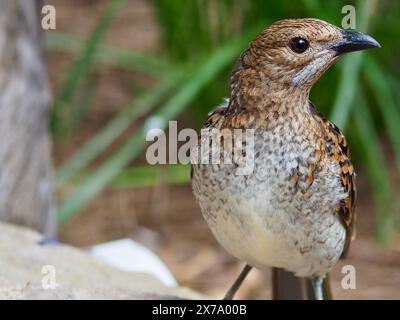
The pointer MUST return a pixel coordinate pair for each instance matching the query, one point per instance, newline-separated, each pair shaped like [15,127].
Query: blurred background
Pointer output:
[116,67]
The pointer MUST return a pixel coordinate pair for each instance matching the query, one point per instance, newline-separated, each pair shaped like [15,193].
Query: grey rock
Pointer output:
[26,268]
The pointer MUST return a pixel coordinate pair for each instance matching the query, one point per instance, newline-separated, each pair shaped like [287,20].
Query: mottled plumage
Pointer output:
[296,209]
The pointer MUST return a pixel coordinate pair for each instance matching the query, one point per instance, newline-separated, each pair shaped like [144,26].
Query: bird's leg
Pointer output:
[231,292]
[317,285]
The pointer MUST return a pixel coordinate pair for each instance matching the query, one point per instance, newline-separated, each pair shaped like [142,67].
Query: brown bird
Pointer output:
[294,210]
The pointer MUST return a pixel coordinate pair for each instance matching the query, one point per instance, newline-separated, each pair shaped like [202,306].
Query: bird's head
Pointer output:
[296,52]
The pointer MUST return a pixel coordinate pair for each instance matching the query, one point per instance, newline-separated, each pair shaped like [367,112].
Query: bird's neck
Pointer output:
[257,96]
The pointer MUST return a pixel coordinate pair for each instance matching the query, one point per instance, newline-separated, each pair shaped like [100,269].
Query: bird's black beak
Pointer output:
[354,41]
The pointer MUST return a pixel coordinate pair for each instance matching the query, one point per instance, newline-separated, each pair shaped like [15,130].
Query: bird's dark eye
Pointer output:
[299,45]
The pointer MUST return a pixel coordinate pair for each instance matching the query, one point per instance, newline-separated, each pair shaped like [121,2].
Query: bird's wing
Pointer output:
[216,116]
[214,120]
[341,154]
[338,151]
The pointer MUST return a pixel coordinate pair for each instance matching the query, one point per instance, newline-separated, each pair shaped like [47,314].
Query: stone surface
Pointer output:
[23,263]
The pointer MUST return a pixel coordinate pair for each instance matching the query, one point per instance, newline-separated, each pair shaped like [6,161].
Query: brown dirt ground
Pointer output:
[165,217]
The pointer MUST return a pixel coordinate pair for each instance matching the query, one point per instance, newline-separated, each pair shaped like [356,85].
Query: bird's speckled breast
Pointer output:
[275,216]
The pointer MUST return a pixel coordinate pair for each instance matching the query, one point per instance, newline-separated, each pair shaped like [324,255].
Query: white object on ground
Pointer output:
[128,255]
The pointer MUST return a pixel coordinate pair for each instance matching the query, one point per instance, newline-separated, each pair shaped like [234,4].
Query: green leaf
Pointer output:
[380,86]
[348,85]
[80,105]
[97,180]
[316,9]
[109,54]
[143,176]
[350,69]
[116,126]
[81,66]
[368,142]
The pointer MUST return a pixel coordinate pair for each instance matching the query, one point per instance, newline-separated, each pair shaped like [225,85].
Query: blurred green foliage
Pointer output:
[201,40]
